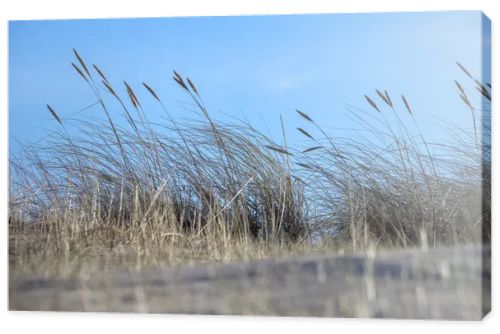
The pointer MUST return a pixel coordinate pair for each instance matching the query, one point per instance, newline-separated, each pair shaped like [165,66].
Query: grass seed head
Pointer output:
[54,114]
[310,149]
[151,91]
[304,115]
[464,70]
[373,104]
[80,60]
[407,105]
[278,149]
[101,74]
[305,133]
[79,71]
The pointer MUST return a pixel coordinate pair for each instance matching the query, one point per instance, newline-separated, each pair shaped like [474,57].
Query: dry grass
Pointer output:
[145,194]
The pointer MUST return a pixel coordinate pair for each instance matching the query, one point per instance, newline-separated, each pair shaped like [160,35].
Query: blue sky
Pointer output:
[259,66]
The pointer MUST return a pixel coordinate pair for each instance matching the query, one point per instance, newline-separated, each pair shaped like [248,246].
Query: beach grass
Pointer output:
[137,193]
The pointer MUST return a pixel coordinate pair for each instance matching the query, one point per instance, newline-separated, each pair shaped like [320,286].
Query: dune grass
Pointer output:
[182,191]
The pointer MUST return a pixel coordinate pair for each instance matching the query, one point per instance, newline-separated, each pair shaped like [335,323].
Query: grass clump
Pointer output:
[200,190]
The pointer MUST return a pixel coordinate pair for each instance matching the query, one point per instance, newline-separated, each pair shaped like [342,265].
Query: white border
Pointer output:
[37,323]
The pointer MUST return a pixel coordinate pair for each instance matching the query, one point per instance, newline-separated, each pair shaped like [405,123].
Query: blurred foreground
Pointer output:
[446,283]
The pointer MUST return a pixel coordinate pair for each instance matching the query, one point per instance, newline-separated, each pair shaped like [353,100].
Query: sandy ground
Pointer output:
[447,283]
